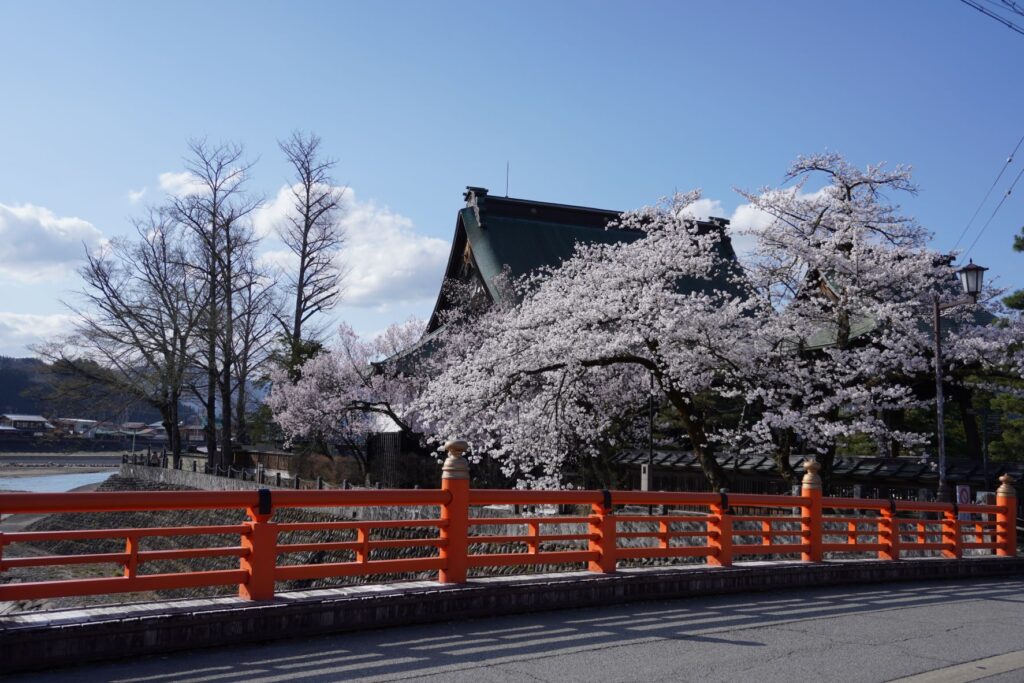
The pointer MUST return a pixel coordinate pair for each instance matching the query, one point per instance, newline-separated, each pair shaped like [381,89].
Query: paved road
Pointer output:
[872,633]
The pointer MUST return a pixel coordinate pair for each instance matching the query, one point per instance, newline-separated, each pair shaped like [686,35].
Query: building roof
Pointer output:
[23,418]
[862,325]
[498,235]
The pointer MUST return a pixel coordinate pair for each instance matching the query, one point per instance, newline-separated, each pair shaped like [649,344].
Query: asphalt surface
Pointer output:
[941,632]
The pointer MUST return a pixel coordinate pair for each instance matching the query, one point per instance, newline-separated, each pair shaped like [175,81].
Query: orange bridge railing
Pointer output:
[718,527]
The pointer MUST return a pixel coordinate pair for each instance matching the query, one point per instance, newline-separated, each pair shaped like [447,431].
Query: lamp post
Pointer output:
[971,278]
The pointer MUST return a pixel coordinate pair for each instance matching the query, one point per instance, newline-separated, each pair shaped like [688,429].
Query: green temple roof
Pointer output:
[498,235]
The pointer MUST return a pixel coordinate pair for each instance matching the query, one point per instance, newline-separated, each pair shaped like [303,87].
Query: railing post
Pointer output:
[951,534]
[131,567]
[720,534]
[363,539]
[810,512]
[604,528]
[888,534]
[455,514]
[1006,520]
[261,542]
[532,544]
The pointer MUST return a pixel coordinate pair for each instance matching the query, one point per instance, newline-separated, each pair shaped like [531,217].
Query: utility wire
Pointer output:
[1009,160]
[1001,19]
[1013,6]
[995,211]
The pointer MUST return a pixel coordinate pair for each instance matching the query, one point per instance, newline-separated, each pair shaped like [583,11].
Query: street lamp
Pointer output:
[971,278]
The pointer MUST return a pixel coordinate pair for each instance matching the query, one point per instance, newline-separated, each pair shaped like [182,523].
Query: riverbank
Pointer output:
[50,469]
[18,465]
[10,523]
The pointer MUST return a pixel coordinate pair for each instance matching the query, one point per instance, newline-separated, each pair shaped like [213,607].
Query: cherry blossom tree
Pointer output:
[821,336]
[856,281]
[543,383]
[350,390]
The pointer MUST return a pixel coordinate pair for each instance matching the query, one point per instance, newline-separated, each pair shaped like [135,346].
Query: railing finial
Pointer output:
[455,466]
[811,480]
[1006,489]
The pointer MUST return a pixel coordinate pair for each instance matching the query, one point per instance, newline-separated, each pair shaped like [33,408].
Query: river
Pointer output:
[53,483]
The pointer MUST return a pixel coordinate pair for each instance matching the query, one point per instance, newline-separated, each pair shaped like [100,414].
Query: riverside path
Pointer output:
[915,632]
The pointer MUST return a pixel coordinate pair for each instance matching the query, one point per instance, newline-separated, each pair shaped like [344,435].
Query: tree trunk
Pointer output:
[241,424]
[783,450]
[211,361]
[174,434]
[895,420]
[167,420]
[228,355]
[963,399]
[709,465]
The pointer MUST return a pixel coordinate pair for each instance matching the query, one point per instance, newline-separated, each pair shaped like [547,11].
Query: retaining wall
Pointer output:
[187,479]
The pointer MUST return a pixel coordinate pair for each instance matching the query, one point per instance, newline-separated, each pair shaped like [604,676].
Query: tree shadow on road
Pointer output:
[422,651]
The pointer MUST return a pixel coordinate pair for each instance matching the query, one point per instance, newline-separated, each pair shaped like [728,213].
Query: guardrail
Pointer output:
[257,475]
[728,526]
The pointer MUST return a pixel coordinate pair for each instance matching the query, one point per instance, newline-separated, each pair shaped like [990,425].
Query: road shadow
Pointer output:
[433,649]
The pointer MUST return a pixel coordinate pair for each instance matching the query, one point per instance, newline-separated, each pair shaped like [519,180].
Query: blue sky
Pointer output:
[595,103]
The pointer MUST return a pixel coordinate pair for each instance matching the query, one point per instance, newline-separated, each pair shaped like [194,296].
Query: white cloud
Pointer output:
[748,220]
[703,209]
[267,219]
[18,330]
[135,195]
[388,263]
[37,245]
[180,184]
[744,224]
[282,259]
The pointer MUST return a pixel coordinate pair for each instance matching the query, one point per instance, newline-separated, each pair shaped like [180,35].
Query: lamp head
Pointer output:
[972,277]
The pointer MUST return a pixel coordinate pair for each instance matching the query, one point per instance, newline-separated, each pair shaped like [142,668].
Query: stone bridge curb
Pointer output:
[43,640]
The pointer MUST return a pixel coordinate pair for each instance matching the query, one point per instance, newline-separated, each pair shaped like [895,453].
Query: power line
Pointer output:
[995,211]
[1002,170]
[1001,19]
[1013,6]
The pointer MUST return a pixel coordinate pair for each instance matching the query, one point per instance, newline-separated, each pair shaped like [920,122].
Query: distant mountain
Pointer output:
[29,385]
[17,378]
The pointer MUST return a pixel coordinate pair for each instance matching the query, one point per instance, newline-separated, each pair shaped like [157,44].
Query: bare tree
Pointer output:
[255,322]
[313,233]
[216,209]
[140,309]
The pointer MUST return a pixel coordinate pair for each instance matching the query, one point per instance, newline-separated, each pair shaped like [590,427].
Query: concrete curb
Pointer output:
[43,640]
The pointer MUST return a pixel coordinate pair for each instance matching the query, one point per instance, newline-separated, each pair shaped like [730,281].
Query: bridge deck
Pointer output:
[935,631]
[47,639]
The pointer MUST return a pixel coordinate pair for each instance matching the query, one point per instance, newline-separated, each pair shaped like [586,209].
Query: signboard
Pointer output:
[963,497]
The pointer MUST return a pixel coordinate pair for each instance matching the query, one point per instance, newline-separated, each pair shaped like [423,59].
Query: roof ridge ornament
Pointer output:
[472,195]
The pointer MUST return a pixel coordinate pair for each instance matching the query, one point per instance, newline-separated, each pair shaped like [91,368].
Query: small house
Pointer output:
[26,423]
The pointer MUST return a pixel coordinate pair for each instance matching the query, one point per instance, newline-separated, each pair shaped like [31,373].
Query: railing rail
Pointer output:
[725,527]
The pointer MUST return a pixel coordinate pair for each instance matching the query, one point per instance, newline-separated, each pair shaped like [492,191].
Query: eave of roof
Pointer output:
[524,236]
